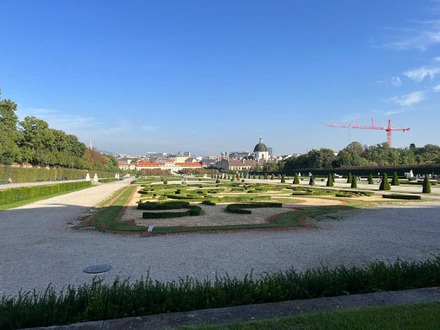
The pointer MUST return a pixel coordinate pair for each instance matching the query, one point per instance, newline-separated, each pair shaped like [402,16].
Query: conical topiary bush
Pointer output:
[354,182]
[349,178]
[330,180]
[395,180]
[283,180]
[296,179]
[370,179]
[384,184]
[426,185]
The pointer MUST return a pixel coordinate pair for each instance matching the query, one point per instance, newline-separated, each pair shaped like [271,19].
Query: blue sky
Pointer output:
[207,76]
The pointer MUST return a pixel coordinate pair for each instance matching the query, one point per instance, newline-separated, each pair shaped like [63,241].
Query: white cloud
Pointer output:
[420,74]
[436,88]
[422,35]
[396,82]
[408,100]
[437,59]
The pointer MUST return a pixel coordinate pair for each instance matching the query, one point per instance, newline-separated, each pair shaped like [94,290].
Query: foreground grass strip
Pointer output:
[408,316]
[101,301]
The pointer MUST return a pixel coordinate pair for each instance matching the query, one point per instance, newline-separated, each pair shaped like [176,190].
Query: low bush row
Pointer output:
[172,205]
[14,195]
[242,208]
[397,196]
[193,210]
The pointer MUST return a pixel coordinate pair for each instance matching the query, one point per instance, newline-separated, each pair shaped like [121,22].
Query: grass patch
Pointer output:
[107,217]
[122,298]
[408,316]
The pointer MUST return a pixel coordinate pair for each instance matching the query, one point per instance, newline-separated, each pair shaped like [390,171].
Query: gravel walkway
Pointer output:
[38,246]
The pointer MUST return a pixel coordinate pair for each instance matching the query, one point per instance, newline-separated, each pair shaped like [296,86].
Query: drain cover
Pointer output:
[96,269]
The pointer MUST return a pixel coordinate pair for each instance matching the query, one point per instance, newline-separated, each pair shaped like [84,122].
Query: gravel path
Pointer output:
[38,247]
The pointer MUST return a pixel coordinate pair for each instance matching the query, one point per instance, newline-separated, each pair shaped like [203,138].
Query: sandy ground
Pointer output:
[38,245]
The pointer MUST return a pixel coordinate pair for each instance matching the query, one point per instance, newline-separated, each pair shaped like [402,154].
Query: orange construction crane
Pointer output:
[388,129]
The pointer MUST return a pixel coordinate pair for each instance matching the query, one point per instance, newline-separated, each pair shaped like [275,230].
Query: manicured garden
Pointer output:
[174,205]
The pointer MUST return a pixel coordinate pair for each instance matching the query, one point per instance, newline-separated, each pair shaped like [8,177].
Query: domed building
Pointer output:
[261,151]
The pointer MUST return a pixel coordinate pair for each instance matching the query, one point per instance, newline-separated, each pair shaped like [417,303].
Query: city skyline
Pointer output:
[215,76]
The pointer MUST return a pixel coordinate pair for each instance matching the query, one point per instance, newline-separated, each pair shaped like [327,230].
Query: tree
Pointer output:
[9,135]
[37,141]
[283,179]
[384,184]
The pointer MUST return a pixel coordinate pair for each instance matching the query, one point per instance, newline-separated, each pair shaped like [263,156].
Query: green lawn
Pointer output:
[409,316]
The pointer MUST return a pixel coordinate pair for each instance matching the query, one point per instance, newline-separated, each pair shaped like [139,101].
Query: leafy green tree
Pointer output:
[37,141]
[395,180]
[426,185]
[384,184]
[9,135]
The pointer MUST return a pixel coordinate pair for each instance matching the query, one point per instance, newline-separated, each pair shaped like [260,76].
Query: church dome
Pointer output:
[261,147]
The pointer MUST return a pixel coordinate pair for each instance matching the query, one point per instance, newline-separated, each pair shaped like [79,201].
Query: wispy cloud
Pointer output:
[436,88]
[421,35]
[396,82]
[408,100]
[60,120]
[420,74]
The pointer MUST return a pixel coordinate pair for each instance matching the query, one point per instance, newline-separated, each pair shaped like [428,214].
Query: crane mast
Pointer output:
[388,128]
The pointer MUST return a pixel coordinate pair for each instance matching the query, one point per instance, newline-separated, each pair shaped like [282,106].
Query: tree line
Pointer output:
[356,154]
[33,141]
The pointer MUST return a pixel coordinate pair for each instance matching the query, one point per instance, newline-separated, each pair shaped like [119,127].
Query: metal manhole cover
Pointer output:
[96,269]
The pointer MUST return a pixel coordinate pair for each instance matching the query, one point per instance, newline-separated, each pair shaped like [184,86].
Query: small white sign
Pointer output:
[150,229]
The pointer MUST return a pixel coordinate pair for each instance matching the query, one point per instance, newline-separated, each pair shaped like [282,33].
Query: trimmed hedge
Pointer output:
[14,195]
[108,180]
[193,211]
[241,208]
[397,196]
[173,205]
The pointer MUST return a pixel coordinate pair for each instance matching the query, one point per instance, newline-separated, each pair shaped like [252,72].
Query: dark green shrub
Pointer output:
[353,182]
[395,180]
[208,202]
[172,205]
[426,185]
[296,179]
[241,208]
[217,181]
[330,180]
[370,179]
[397,196]
[283,179]
[194,210]
[384,184]
[349,178]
